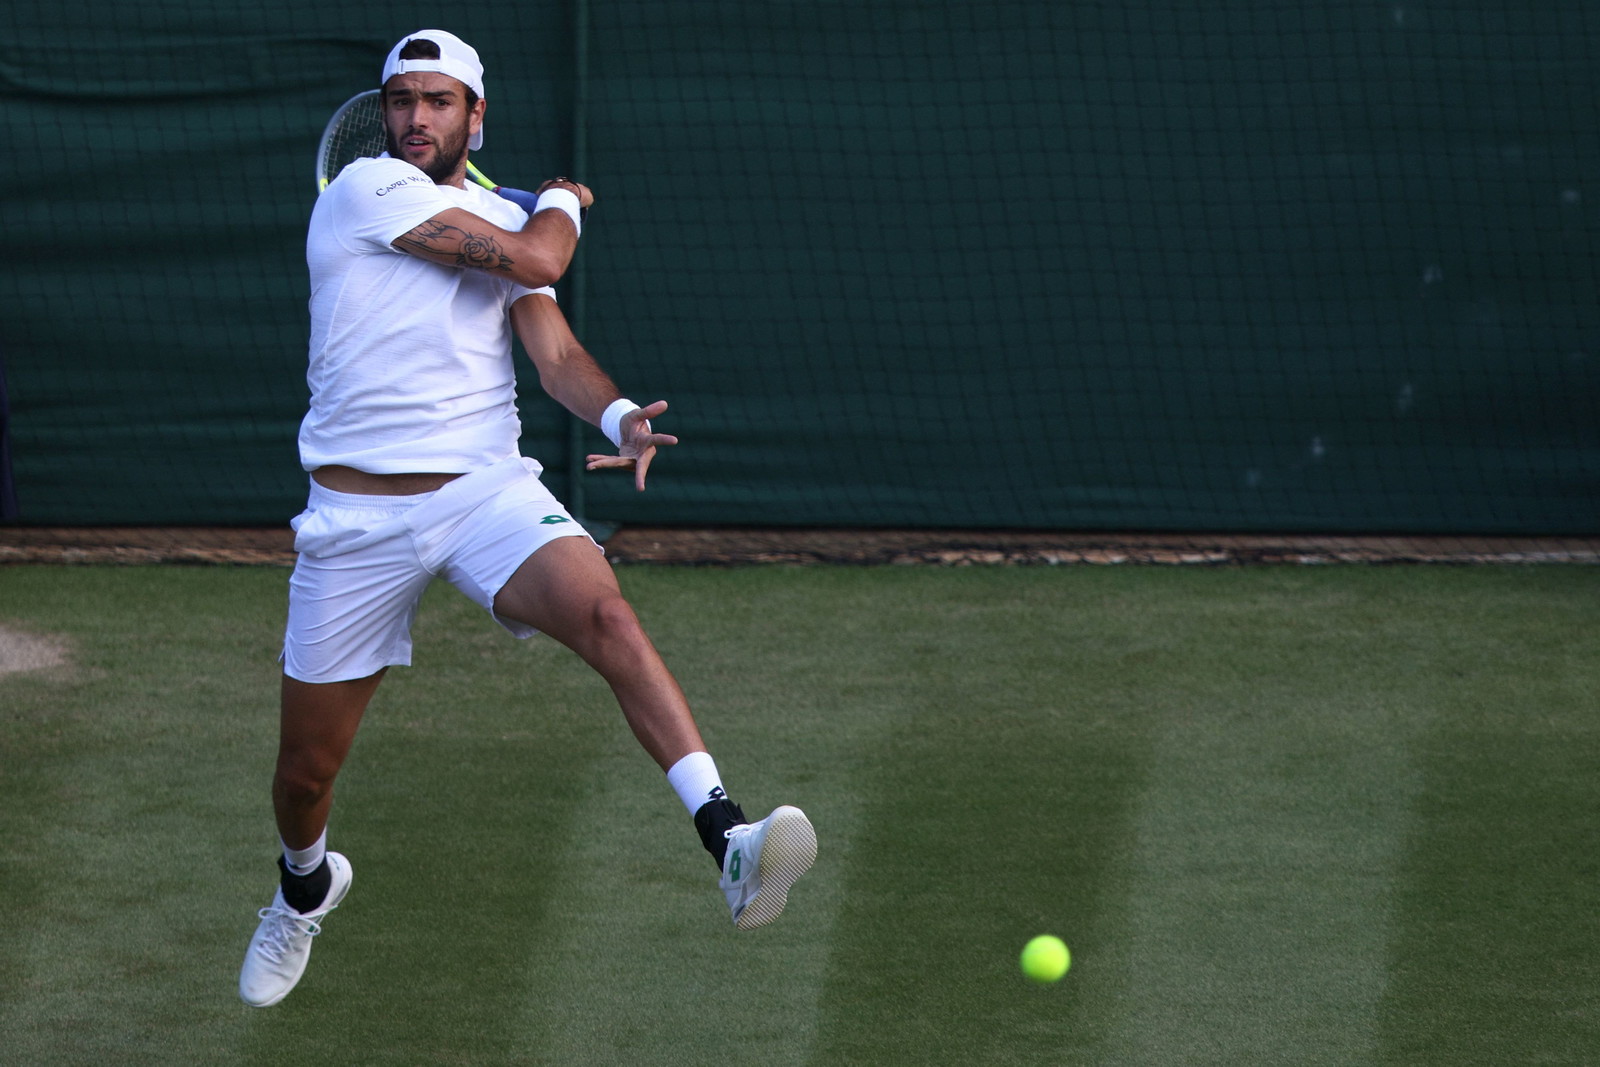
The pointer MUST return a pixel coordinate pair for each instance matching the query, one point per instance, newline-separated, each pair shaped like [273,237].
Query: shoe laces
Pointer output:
[286,927]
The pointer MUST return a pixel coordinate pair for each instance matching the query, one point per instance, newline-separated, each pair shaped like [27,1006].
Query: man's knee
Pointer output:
[303,775]
[613,621]
[612,628]
[614,615]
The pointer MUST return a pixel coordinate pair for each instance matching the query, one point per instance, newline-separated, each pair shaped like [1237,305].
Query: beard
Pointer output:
[448,153]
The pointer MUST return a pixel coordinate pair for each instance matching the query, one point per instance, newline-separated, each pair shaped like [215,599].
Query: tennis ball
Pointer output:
[1045,959]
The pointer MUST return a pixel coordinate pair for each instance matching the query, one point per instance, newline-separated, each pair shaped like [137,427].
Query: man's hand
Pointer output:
[529,202]
[639,444]
[582,192]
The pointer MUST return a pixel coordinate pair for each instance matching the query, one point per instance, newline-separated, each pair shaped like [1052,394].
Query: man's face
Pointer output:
[428,122]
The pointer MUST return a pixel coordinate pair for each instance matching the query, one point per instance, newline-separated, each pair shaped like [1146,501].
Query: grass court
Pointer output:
[1282,815]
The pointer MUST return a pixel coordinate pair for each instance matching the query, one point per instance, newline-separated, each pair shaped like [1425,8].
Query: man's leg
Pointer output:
[317,725]
[567,590]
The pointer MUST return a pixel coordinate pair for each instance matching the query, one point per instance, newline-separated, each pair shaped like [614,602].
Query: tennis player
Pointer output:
[418,280]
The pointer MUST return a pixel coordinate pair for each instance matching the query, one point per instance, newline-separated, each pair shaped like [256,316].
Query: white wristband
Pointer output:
[611,419]
[561,200]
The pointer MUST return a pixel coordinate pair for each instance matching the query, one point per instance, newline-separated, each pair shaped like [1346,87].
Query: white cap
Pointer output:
[457,58]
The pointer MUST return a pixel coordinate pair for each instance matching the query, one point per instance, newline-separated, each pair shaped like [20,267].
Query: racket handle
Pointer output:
[528,201]
[520,197]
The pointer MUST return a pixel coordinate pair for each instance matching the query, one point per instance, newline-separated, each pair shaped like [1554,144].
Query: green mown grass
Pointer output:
[1341,815]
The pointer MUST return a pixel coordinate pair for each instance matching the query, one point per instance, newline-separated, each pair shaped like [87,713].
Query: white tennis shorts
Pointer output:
[365,560]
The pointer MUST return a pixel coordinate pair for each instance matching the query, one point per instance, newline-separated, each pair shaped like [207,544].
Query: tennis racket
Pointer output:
[356,132]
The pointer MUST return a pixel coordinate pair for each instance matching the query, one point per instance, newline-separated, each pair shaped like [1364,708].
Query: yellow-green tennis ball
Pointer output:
[1045,958]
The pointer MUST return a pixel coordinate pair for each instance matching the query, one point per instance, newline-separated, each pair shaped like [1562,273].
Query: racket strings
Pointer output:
[356,133]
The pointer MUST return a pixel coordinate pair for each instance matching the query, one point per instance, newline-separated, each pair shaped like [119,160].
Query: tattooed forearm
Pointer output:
[444,243]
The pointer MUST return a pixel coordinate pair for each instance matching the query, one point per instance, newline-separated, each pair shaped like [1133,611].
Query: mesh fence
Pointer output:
[1156,266]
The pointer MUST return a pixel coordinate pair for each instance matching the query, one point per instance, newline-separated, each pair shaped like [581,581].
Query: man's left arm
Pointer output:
[572,377]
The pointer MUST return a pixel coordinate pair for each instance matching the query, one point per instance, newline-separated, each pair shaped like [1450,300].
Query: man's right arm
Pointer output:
[535,256]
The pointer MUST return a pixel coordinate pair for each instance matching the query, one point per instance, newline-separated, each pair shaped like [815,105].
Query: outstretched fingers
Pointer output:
[639,444]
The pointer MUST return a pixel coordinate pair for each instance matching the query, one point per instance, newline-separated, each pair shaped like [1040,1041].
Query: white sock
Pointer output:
[303,861]
[696,780]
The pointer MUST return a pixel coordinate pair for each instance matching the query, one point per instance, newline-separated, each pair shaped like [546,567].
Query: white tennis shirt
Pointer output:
[410,362]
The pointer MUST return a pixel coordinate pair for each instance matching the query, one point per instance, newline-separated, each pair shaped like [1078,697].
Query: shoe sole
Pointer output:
[787,853]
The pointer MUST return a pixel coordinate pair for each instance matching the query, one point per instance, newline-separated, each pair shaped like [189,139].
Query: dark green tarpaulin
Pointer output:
[1159,265]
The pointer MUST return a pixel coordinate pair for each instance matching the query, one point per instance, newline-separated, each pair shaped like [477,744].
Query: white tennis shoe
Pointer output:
[763,860]
[281,946]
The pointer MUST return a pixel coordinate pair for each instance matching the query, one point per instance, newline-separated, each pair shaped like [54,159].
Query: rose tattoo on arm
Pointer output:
[442,242]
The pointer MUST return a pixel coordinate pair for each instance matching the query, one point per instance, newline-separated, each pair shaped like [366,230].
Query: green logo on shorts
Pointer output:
[553,520]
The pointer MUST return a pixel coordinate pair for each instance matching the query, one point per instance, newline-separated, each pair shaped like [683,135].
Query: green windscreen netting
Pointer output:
[1137,265]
